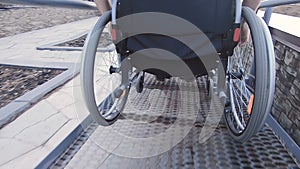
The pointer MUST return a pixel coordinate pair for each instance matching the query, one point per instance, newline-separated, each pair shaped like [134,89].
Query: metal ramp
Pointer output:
[265,150]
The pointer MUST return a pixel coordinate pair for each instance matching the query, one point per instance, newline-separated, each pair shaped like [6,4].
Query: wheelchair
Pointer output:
[247,87]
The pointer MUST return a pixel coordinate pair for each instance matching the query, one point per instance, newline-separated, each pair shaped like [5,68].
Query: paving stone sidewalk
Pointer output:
[31,137]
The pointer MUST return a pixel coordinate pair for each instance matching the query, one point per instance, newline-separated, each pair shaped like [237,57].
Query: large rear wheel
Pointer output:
[250,80]
[105,81]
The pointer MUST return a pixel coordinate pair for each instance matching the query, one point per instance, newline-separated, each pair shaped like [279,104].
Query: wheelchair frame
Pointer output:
[261,103]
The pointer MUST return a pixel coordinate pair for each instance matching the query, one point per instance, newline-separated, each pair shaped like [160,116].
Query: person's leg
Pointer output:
[103,5]
[245,33]
[253,4]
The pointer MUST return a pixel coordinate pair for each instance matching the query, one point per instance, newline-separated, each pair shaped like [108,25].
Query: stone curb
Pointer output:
[19,105]
[54,45]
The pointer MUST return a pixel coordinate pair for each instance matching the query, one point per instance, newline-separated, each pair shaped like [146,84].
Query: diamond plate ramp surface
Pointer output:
[153,112]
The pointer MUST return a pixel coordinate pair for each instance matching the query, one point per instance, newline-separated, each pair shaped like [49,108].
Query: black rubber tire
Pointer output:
[87,76]
[264,79]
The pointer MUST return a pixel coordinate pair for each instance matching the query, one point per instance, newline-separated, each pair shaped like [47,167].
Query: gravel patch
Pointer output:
[17,80]
[292,10]
[20,19]
[105,41]
[78,42]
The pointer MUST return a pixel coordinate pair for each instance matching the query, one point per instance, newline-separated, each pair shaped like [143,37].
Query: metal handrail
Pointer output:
[91,5]
[273,3]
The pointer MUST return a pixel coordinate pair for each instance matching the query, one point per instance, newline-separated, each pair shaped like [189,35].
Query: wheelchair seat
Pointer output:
[214,18]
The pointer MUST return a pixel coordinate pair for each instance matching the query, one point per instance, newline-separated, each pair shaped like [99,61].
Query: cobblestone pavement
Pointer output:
[19,19]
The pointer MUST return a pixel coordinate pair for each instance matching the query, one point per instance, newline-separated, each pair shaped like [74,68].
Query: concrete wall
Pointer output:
[286,107]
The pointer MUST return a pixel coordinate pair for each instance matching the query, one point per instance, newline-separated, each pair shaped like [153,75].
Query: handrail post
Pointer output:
[267,15]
